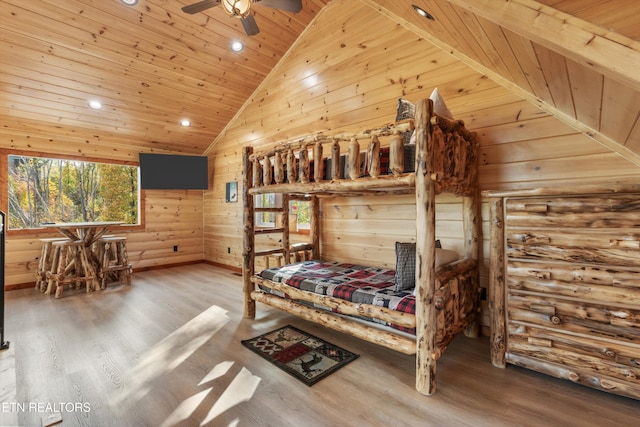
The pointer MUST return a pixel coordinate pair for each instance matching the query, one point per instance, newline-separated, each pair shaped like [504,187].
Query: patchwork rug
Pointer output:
[302,355]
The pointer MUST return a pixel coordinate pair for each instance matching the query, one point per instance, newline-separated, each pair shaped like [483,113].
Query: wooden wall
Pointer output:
[347,72]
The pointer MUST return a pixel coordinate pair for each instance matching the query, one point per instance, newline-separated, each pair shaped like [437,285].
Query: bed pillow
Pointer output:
[406,263]
[443,256]
[406,110]
[439,106]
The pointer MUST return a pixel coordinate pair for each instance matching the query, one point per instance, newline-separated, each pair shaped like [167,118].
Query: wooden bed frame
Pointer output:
[447,299]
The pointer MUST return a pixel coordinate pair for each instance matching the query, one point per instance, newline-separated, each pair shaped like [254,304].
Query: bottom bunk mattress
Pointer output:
[350,282]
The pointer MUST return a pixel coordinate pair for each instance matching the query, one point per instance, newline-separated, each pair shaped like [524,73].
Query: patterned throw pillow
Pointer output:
[405,110]
[405,265]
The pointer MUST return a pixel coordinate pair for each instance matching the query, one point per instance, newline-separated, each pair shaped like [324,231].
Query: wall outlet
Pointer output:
[175,248]
[228,250]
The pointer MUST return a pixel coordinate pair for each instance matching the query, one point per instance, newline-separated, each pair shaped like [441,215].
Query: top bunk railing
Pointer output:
[292,166]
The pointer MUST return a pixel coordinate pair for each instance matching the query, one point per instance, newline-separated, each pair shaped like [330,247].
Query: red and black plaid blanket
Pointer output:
[355,283]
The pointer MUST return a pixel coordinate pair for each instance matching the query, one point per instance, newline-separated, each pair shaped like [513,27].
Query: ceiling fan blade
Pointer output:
[249,25]
[294,6]
[200,6]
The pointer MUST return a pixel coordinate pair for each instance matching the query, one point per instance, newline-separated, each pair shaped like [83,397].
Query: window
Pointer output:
[61,190]
[271,200]
[300,208]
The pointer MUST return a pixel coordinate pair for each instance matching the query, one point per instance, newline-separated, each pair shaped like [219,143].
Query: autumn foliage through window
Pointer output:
[45,190]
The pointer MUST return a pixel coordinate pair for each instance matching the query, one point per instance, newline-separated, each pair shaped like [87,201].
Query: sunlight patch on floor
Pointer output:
[187,407]
[240,390]
[218,371]
[169,353]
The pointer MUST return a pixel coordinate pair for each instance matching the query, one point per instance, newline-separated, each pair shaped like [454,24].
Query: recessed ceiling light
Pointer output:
[237,46]
[185,123]
[95,104]
[423,12]
[130,2]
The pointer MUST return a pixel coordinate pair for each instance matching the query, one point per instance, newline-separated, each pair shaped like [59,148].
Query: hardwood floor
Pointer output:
[166,351]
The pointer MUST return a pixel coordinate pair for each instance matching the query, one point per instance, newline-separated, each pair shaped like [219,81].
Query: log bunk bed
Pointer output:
[446,297]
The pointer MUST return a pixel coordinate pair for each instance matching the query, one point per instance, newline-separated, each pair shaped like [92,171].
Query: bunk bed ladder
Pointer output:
[282,214]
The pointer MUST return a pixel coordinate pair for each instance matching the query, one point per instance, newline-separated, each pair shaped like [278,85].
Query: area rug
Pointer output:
[302,355]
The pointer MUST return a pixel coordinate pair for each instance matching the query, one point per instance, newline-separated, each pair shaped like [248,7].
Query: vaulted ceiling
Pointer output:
[152,65]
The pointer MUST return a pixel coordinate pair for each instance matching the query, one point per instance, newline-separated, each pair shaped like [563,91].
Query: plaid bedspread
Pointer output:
[351,282]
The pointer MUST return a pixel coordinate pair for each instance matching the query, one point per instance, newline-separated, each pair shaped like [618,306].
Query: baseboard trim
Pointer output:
[28,285]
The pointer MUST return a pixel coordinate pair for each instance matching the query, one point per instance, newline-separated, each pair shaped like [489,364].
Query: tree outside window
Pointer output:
[57,190]
[301,208]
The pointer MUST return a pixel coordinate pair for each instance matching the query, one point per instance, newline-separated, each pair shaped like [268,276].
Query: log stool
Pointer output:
[115,261]
[46,261]
[72,267]
[98,248]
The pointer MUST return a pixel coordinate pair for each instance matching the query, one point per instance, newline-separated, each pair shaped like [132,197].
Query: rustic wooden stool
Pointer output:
[46,261]
[98,247]
[115,261]
[72,267]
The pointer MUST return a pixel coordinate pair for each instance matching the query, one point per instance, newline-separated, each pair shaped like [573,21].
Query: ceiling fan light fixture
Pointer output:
[94,104]
[237,46]
[129,2]
[236,8]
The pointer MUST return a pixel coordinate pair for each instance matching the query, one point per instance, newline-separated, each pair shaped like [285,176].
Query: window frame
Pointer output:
[258,204]
[4,183]
[301,229]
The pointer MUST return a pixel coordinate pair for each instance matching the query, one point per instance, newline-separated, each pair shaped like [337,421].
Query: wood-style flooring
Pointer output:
[166,352]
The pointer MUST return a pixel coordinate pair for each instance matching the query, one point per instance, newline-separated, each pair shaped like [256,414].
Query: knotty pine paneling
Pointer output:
[150,64]
[556,76]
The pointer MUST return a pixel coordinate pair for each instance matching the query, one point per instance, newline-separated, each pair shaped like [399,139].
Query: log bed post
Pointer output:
[278,168]
[472,231]
[318,165]
[497,285]
[315,227]
[335,160]
[292,167]
[426,353]
[374,157]
[248,249]
[353,160]
[303,165]
[286,240]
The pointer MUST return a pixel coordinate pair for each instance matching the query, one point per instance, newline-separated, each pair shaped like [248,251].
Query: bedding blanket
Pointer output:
[351,282]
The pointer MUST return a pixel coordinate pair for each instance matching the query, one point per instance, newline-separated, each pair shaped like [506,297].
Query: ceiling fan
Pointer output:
[240,9]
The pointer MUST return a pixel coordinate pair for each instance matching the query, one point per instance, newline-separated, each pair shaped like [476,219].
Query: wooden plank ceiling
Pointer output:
[152,65]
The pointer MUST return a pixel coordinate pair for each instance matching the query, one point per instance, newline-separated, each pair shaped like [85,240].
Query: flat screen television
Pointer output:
[173,172]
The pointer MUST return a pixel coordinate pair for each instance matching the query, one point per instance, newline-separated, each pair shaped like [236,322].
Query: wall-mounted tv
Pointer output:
[173,172]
